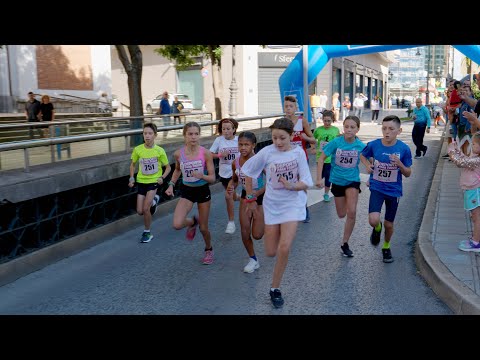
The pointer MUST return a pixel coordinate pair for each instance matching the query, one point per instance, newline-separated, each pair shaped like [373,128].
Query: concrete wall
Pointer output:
[24,71]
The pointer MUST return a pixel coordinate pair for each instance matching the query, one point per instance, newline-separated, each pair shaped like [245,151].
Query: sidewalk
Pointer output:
[454,275]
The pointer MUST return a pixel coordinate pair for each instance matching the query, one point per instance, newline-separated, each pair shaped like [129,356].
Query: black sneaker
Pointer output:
[346,250]
[375,236]
[276,297]
[307,218]
[387,256]
[424,151]
[153,208]
[445,156]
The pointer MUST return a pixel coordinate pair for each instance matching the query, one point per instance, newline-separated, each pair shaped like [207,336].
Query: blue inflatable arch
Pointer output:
[291,81]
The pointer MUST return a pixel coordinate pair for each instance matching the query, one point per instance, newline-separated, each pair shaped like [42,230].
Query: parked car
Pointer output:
[115,103]
[154,105]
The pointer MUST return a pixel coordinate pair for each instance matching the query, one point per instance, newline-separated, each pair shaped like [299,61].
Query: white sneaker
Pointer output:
[251,266]
[230,227]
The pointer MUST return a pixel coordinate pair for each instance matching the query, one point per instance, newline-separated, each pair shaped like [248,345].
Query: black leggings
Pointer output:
[375,114]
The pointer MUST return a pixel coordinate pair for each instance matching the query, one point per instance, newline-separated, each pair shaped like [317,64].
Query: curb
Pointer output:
[453,292]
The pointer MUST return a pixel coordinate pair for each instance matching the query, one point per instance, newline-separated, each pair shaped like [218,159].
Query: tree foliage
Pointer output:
[184,56]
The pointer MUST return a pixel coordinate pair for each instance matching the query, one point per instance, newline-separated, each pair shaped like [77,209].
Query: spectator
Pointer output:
[315,105]
[165,106]
[177,108]
[346,105]
[47,113]
[323,103]
[32,113]
[103,103]
[375,105]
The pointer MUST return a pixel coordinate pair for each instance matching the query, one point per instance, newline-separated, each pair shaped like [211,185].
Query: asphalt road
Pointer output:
[165,276]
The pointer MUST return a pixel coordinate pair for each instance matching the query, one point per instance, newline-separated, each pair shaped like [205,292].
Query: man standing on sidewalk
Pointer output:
[32,112]
[421,118]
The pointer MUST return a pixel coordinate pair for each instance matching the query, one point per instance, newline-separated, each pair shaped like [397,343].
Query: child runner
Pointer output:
[151,158]
[252,224]
[301,132]
[324,134]
[225,148]
[345,175]
[287,179]
[470,183]
[392,158]
[195,163]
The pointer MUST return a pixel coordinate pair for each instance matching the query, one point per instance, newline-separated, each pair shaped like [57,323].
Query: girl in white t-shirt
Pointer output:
[287,179]
[225,149]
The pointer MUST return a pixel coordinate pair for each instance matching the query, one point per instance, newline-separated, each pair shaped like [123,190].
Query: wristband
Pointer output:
[250,197]
[171,183]
[132,179]
[251,200]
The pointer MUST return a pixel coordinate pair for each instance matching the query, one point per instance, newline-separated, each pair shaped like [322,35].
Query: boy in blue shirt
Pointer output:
[386,160]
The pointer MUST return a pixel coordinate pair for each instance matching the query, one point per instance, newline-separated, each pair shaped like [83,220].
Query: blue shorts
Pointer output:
[376,202]
[471,199]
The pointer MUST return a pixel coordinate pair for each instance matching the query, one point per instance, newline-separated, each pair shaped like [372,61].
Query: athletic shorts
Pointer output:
[196,194]
[225,181]
[471,199]
[391,204]
[144,188]
[339,191]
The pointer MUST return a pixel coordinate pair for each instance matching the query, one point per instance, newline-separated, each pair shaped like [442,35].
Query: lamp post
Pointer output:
[233,88]
[427,93]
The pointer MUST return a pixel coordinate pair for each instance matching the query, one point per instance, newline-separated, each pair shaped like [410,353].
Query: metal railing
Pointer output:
[69,139]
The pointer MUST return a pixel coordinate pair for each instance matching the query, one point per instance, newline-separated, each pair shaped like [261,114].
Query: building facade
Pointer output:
[256,71]
[79,70]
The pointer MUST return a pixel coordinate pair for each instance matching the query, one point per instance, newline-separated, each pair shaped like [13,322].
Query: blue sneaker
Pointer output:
[146,237]
[469,246]
[326,198]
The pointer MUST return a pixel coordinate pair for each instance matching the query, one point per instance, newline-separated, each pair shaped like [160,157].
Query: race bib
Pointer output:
[288,170]
[296,143]
[232,153]
[385,172]
[188,168]
[346,158]
[241,177]
[149,166]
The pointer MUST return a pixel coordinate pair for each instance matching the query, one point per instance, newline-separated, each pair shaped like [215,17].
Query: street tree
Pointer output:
[133,64]
[184,56]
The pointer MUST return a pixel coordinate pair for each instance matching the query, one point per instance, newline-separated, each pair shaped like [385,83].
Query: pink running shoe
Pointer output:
[192,230]
[208,259]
